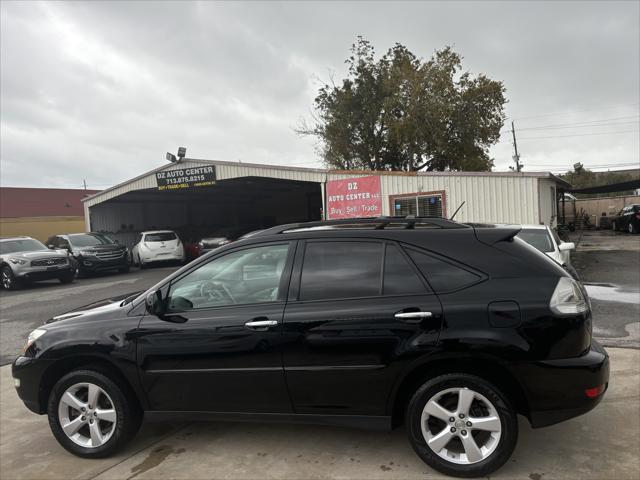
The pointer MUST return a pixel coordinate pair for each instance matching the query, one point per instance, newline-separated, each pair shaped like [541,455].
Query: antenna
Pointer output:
[457,209]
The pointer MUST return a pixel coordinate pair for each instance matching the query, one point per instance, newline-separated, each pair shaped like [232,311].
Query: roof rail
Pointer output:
[378,223]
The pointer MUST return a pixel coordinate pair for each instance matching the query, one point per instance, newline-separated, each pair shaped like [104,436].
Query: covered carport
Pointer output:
[235,199]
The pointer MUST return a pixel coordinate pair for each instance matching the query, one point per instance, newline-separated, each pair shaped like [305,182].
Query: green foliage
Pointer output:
[586,178]
[403,113]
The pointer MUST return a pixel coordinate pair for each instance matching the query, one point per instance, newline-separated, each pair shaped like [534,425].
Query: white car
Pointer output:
[547,241]
[157,246]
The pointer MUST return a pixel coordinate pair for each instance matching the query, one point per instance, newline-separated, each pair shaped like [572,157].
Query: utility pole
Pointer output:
[516,156]
[85,183]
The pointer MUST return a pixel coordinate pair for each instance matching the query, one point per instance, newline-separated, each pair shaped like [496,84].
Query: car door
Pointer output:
[225,356]
[356,308]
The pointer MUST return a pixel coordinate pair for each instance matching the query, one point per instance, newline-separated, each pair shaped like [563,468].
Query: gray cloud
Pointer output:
[100,90]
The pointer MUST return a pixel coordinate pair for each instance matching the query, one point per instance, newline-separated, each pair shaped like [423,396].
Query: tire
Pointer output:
[67,278]
[9,281]
[613,226]
[632,228]
[487,401]
[118,423]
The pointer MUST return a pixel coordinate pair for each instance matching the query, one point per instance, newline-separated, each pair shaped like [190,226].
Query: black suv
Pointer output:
[92,252]
[450,328]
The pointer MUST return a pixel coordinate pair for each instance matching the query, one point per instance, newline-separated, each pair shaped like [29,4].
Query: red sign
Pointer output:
[354,197]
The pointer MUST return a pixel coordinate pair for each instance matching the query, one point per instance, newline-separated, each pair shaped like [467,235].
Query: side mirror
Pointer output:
[154,304]
[564,246]
[51,247]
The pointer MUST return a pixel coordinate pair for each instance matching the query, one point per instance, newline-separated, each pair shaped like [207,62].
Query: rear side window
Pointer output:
[399,276]
[341,270]
[159,237]
[442,276]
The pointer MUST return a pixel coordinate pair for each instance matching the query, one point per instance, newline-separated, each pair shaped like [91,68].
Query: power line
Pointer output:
[578,111]
[591,123]
[581,135]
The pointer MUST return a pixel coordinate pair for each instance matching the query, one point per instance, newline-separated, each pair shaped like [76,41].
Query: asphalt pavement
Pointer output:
[23,310]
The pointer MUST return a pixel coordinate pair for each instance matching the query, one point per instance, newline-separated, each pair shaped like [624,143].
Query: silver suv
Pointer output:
[25,259]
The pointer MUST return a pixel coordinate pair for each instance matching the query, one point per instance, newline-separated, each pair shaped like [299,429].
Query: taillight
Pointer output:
[595,391]
[567,298]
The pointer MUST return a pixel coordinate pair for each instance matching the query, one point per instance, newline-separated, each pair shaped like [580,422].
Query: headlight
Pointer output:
[17,261]
[567,298]
[33,336]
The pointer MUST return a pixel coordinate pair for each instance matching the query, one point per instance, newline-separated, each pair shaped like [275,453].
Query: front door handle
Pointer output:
[413,316]
[257,324]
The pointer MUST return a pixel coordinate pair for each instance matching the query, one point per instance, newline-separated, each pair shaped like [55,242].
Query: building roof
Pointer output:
[147,179]
[42,202]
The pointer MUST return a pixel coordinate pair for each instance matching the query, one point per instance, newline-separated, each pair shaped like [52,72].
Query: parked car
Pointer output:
[627,219]
[157,246]
[548,242]
[25,259]
[451,329]
[92,252]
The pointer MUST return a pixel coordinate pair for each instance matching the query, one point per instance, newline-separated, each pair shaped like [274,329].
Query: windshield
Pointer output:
[21,245]
[159,237]
[89,240]
[538,238]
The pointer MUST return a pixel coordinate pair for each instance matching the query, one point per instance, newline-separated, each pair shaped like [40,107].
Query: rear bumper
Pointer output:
[556,389]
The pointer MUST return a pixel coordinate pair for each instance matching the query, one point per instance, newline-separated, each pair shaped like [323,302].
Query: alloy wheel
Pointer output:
[461,426]
[6,280]
[87,415]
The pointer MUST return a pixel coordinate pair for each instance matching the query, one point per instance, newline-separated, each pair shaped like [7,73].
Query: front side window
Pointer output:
[239,278]
[334,270]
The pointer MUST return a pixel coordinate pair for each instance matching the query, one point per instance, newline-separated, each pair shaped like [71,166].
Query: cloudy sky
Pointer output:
[101,90]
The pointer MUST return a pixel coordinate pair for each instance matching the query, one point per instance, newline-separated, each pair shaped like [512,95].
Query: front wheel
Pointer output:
[91,415]
[67,277]
[9,281]
[632,228]
[614,227]
[462,425]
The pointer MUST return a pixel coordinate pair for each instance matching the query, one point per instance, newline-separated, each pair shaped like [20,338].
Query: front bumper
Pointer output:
[29,273]
[95,264]
[556,389]
[28,378]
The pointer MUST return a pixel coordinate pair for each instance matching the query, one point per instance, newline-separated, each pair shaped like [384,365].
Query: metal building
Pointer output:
[232,198]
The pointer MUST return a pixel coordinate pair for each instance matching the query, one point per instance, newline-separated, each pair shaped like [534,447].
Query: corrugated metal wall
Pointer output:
[489,197]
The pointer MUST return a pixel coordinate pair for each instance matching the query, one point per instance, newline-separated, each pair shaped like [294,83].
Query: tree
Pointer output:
[583,178]
[403,113]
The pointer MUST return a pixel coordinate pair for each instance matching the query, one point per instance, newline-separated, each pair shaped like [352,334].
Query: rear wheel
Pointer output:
[462,425]
[91,415]
[9,281]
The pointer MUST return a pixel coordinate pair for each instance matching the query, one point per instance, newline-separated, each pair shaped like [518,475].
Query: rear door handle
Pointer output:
[257,324]
[413,316]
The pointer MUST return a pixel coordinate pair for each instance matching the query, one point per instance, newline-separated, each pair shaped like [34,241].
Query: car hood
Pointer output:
[96,309]
[35,254]
[100,248]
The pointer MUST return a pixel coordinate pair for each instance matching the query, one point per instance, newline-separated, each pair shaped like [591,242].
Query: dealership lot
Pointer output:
[574,449]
